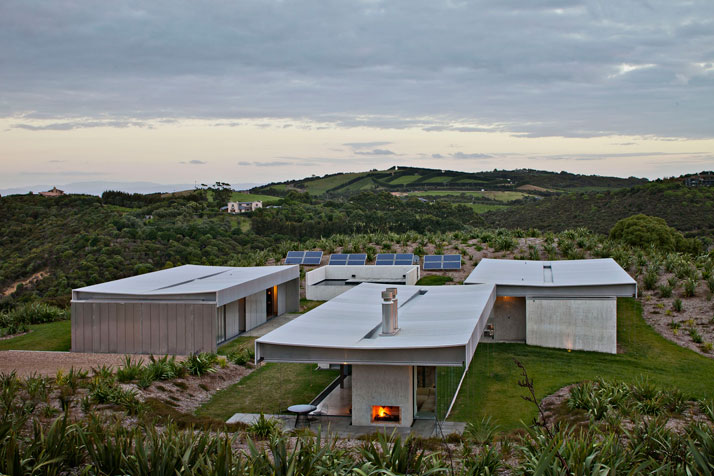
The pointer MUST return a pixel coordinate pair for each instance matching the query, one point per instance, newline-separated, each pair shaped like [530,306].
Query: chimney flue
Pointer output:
[389,312]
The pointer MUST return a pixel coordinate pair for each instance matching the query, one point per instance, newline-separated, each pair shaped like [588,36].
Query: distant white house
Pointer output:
[243,207]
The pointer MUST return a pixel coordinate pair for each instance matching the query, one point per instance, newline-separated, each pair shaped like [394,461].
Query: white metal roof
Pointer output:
[428,317]
[187,279]
[566,273]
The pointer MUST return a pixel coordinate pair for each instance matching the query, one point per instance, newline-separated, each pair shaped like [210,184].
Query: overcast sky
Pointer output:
[255,91]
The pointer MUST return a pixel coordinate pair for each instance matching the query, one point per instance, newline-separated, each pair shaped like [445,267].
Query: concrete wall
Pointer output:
[292,295]
[143,327]
[508,319]
[382,385]
[367,273]
[577,324]
[255,310]
[233,315]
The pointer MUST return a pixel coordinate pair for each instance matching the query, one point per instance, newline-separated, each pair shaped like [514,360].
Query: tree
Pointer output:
[643,230]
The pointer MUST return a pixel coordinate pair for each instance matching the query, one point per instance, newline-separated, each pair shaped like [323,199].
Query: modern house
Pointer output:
[563,304]
[396,347]
[243,207]
[180,310]
[327,282]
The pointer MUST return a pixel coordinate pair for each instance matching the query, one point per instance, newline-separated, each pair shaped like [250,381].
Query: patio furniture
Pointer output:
[302,411]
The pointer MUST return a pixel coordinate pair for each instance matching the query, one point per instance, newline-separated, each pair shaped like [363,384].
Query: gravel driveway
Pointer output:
[27,362]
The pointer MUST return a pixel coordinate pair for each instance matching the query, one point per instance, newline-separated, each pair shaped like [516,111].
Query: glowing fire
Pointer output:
[385,413]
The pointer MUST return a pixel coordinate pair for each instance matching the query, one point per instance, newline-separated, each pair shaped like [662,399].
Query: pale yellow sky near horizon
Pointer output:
[265,150]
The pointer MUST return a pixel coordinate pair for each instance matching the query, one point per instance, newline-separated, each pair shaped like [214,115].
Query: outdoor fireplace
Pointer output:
[386,414]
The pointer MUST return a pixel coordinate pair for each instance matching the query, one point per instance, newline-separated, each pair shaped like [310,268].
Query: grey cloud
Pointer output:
[375,152]
[364,145]
[193,162]
[531,68]
[71,125]
[461,155]
[274,163]
[437,156]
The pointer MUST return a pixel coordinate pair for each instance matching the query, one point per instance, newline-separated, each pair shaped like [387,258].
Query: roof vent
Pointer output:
[389,312]
[547,273]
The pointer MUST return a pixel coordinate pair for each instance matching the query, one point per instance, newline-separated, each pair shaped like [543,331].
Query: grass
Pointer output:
[308,305]
[52,336]
[239,343]
[270,389]
[434,280]
[491,389]
[253,197]
[501,196]
[405,179]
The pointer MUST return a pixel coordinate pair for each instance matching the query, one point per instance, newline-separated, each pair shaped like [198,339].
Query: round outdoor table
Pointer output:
[301,411]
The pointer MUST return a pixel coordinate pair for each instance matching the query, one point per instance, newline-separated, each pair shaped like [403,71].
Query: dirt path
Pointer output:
[38,276]
[26,362]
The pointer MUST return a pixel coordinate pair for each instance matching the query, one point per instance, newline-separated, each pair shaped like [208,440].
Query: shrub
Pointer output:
[200,364]
[241,356]
[665,290]
[677,305]
[131,370]
[644,231]
[650,279]
[263,428]
[482,432]
[690,286]
[694,334]
[164,368]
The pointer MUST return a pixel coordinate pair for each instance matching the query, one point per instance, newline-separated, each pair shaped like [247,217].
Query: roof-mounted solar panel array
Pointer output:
[312,258]
[343,259]
[438,262]
[391,259]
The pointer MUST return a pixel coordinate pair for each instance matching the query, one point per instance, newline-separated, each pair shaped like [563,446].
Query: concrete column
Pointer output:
[382,385]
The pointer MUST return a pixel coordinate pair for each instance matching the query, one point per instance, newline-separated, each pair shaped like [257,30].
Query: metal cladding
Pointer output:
[390,309]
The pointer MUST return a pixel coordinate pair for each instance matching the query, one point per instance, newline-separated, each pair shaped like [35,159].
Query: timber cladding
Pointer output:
[143,327]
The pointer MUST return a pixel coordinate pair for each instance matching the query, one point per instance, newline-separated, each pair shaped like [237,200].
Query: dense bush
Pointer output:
[644,231]
[19,318]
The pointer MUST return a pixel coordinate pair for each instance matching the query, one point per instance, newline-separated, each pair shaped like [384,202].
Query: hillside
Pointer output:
[690,210]
[398,179]
[49,246]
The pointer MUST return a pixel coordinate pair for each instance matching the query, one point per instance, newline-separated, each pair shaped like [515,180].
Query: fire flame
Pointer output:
[383,412]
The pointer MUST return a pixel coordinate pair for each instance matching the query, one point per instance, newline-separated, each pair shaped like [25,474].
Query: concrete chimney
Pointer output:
[389,312]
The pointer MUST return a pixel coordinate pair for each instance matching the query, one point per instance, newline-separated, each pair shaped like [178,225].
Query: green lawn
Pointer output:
[239,343]
[253,197]
[52,336]
[501,196]
[405,179]
[491,386]
[434,280]
[270,389]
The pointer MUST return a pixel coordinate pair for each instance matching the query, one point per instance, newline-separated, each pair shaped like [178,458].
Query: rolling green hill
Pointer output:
[398,179]
[690,210]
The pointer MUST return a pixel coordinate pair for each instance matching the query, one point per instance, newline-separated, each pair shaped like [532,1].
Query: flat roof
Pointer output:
[186,279]
[429,317]
[550,274]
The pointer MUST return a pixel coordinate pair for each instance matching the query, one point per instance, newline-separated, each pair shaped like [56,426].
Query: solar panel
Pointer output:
[390,259]
[357,259]
[342,259]
[442,262]
[304,257]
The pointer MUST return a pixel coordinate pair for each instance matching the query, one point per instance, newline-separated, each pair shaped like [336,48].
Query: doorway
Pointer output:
[271,302]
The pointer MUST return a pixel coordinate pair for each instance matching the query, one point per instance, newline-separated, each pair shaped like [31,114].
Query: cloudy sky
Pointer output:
[256,91]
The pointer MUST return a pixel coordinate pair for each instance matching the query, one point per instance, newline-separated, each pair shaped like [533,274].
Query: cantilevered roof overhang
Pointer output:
[219,284]
[567,278]
[439,325]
